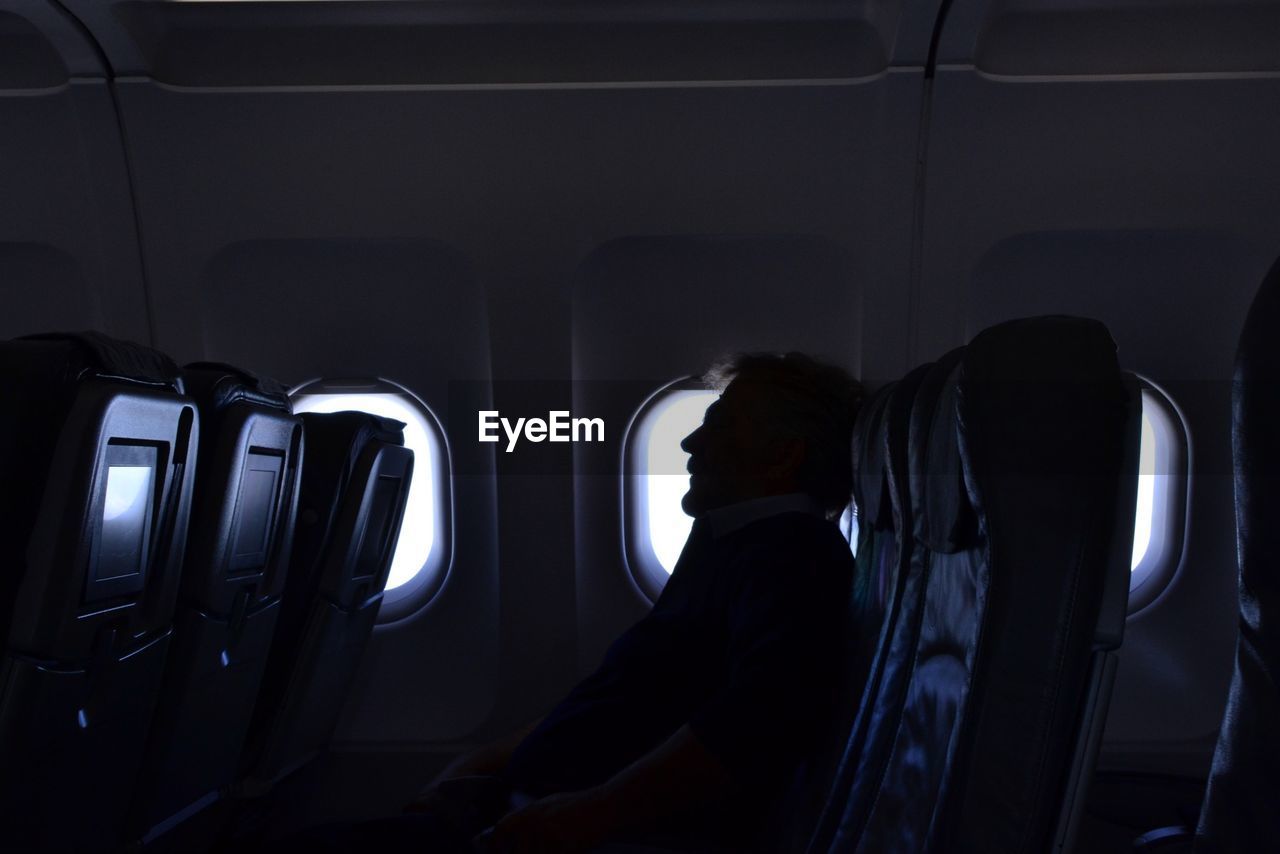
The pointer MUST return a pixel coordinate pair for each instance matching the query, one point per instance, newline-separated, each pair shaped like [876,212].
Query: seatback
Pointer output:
[880,493]
[1241,810]
[97,466]
[1016,453]
[234,573]
[1109,631]
[871,740]
[355,483]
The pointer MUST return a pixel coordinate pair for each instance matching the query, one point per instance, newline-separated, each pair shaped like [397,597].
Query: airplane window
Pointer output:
[1159,516]
[656,526]
[418,566]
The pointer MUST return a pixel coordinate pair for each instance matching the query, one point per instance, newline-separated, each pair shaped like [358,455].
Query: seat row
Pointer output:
[996,491]
[191,573]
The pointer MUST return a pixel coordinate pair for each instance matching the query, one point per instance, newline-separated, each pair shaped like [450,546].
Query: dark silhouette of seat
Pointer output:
[880,446]
[1020,519]
[98,446]
[355,481]
[1241,810]
[233,576]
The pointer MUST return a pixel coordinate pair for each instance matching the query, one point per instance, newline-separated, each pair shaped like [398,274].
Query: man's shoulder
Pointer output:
[791,525]
[795,537]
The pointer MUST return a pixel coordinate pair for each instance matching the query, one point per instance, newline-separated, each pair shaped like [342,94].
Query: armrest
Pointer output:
[1166,839]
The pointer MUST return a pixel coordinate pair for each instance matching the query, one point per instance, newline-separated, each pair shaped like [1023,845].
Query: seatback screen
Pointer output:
[127,489]
[126,510]
[377,529]
[255,512]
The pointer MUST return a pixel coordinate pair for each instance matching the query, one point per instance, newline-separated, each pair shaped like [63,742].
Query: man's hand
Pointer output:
[569,823]
[466,803]
[487,761]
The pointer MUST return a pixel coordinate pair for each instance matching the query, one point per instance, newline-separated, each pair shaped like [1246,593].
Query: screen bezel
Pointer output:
[255,562]
[382,557]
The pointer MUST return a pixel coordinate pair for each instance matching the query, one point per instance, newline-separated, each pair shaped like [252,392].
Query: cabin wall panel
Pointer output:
[651,309]
[68,249]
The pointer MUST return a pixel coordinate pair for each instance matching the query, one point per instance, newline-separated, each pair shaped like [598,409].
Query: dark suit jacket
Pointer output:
[743,645]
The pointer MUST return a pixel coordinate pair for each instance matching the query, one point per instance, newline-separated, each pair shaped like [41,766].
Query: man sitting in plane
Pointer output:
[700,714]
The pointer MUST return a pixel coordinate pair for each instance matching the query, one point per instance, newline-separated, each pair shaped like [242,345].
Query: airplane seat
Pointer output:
[97,463]
[1014,470]
[867,750]
[875,561]
[355,482]
[879,455]
[879,494]
[234,573]
[1240,806]
[1109,632]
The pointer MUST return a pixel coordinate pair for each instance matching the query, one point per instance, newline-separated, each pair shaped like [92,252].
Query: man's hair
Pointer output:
[810,400]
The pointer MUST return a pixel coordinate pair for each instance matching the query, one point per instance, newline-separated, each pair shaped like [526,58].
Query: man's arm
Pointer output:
[488,760]
[677,777]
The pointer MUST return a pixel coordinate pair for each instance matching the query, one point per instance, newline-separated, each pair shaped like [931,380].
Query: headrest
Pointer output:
[39,376]
[942,518]
[334,443]
[1255,420]
[80,354]
[1264,313]
[896,427]
[216,385]
[1053,374]
[870,484]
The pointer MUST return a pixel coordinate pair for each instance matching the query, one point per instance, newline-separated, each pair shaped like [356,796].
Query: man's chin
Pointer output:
[691,504]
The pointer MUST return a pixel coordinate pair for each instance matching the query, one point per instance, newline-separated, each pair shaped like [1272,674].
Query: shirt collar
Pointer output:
[725,520]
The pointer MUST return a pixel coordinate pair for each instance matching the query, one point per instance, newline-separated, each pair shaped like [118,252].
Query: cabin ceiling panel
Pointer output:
[1088,37]
[506,43]
[41,46]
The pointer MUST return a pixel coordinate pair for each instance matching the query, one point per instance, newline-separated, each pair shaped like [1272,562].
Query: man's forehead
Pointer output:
[745,395]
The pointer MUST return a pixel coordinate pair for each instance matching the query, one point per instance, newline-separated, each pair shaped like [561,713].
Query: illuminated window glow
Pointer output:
[1146,492]
[1161,506]
[666,480]
[423,516]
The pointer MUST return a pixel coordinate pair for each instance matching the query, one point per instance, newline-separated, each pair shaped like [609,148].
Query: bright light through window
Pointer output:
[1161,503]
[1146,491]
[661,466]
[422,515]
[675,416]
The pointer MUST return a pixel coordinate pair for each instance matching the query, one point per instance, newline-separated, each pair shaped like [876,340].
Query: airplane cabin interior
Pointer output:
[349,349]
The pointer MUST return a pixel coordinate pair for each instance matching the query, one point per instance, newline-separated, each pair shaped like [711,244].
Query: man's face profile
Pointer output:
[733,455]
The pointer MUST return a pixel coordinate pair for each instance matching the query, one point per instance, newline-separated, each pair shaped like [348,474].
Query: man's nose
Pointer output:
[688,443]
